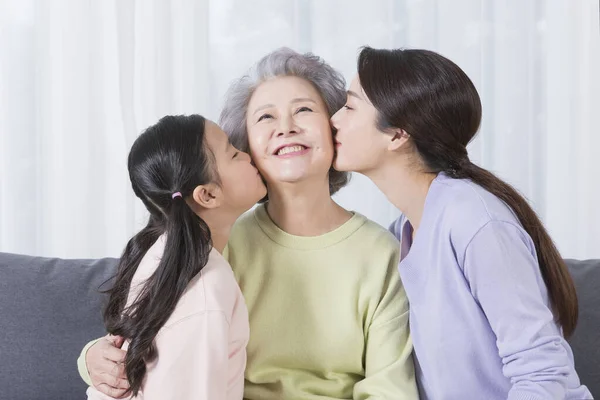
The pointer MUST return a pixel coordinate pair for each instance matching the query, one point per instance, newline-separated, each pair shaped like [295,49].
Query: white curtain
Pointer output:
[80,79]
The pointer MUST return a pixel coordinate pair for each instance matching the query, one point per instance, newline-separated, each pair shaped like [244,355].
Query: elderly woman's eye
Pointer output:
[264,116]
[301,109]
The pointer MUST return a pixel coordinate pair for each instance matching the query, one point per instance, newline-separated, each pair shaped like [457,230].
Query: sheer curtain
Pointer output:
[79,80]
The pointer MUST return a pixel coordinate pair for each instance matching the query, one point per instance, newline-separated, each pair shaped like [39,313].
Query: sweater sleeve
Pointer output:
[81,365]
[389,368]
[194,356]
[504,276]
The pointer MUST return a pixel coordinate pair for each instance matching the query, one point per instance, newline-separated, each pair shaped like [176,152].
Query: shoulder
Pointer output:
[373,250]
[466,197]
[462,209]
[376,236]
[465,207]
[245,224]
[243,233]
[456,207]
[213,290]
[380,255]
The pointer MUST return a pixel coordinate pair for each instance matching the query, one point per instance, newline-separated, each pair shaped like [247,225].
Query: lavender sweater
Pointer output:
[480,317]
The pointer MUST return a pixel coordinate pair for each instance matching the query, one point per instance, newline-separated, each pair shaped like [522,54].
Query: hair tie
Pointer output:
[176,194]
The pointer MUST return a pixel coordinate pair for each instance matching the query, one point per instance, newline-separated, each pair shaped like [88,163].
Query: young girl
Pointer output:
[175,299]
[490,297]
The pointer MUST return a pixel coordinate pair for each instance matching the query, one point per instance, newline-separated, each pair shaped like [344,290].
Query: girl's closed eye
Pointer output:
[347,107]
[235,154]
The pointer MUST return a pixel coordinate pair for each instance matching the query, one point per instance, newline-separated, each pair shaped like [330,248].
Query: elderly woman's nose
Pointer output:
[287,127]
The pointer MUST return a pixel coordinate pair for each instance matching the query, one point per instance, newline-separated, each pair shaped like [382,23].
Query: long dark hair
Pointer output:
[435,102]
[170,156]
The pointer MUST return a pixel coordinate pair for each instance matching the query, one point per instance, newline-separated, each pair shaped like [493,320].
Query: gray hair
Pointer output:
[283,62]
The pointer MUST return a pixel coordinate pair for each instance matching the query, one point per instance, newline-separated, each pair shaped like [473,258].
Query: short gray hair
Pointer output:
[284,61]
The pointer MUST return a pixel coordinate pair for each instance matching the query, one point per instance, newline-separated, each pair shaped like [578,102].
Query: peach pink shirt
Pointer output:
[202,346]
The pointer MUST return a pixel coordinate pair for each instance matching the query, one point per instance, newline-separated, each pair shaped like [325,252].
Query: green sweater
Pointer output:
[328,315]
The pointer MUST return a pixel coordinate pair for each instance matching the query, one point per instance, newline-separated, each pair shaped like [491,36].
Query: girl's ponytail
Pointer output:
[166,163]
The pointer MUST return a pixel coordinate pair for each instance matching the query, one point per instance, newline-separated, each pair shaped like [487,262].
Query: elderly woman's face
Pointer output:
[289,132]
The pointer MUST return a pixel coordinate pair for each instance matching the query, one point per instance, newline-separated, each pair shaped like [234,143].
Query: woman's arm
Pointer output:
[389,368]
[503,273]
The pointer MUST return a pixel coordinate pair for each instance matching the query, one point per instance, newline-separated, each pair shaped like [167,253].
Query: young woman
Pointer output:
[175,300]
[490,297]
[328,314]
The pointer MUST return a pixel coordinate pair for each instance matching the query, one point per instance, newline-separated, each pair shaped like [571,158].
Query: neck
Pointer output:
[305,208]
[220,228]
[220,237]
[405,189]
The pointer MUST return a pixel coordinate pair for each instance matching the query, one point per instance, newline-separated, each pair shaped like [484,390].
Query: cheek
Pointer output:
[259,158]
[236,184]
[356,139]
[228,182]
[257,140]
[347,128]
[360,130]
[325,135]
[341,120]
[326,147]
[355,122]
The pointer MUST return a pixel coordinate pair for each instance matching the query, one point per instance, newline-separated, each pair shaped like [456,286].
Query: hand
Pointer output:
[105,363]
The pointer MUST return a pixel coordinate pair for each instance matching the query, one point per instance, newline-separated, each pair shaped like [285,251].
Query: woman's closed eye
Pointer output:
[264,116]
[347,107]
[303,109]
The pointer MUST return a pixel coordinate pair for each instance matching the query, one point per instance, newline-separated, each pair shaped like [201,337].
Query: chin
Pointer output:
[296,172]
[290,178]
[291,175]
[340,165]
[263,193]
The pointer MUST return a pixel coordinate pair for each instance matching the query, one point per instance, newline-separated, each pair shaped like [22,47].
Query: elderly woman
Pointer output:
[328,314]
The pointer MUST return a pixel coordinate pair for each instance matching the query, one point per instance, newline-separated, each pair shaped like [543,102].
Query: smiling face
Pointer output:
[289,132]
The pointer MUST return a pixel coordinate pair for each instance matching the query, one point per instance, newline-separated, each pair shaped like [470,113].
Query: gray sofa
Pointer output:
[49,309]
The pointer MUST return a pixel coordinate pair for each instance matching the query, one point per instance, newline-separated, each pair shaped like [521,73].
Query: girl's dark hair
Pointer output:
[169,157]
[435,102]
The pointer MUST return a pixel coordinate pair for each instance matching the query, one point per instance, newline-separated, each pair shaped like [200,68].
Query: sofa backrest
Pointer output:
[585,342]
[49,309]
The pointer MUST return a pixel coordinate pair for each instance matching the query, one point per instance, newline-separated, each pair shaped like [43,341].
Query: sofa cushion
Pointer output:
[585,342]
[49,309]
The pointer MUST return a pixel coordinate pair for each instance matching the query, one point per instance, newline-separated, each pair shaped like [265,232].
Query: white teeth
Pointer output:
[289,149]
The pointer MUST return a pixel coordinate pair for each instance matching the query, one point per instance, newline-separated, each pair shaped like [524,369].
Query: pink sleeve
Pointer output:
[192,360]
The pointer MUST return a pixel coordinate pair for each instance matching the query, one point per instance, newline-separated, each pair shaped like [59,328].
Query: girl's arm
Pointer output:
[192,362]
[504,276]
[100,365]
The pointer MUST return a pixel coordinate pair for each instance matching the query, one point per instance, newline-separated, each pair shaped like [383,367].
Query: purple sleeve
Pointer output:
[504,276]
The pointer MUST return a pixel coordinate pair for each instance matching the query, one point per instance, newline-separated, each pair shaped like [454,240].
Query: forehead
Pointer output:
[356,90]
[355,85]
[215,137]
[284,89]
